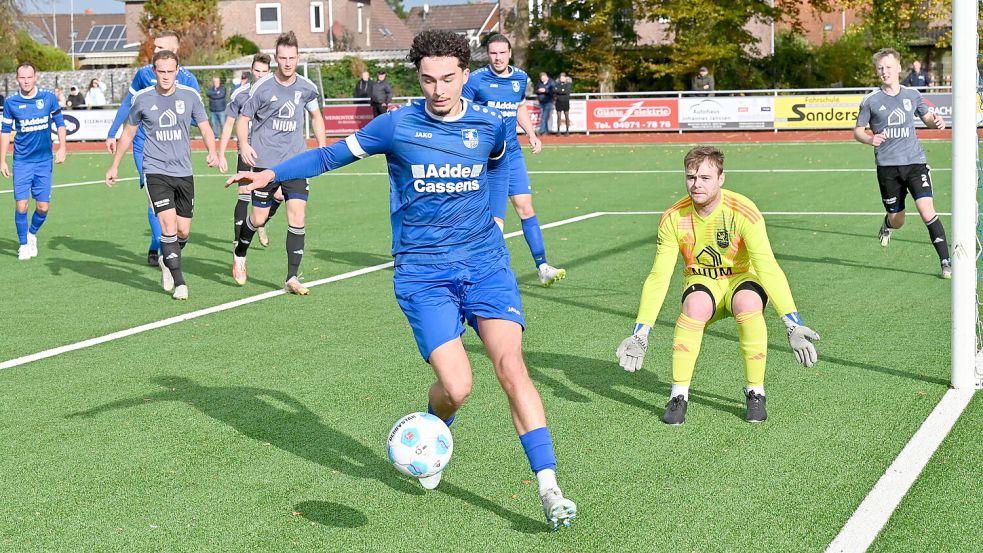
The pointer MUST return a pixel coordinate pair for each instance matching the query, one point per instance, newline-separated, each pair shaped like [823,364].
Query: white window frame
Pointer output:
[279,19]
[317,26]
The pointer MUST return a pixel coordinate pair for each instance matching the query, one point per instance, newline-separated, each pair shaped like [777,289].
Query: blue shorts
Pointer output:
[32,179]
[138,161]
[438,299]
[518,175]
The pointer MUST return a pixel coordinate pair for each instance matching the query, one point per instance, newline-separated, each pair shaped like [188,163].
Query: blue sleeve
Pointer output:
[56,112]
[124,106]
[498,176]
[8,122]
[470,88]
[374,138]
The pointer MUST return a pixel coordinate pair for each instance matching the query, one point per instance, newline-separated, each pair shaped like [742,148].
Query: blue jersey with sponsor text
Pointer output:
[503,92]
[32,117]
[145,78]
[443,174]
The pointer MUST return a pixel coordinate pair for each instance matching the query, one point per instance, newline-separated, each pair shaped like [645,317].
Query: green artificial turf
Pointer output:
[263,427]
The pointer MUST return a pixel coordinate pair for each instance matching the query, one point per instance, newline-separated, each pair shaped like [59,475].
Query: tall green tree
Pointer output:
[894,23]
[196,21]
[9,13]
[592,37]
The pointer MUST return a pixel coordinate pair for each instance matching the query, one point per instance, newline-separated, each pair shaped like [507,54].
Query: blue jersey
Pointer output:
[444,172]
[145,78]
[503,92]
[32,117]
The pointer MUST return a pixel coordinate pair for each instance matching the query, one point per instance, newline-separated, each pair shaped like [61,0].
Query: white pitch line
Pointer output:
[807,213]
[226,306]
[876,509]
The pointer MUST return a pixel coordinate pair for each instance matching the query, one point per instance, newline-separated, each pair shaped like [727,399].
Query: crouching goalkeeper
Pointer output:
[730,270]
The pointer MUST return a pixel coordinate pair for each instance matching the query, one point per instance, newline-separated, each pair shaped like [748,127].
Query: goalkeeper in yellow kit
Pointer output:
[730,270]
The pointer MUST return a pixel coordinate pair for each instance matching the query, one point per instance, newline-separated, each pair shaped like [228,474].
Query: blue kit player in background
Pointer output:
[144,78]
[503,87]
[30,112]
[447,168]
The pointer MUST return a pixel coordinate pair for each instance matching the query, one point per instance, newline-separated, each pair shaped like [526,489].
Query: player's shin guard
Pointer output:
[936,232]
[240,215]
[37,220]
[534,237]
[155,231]
[246,233]
[273,208]
[295,250]
[20,223]
[686,344]
[538,445]
[171,251]
[753,333]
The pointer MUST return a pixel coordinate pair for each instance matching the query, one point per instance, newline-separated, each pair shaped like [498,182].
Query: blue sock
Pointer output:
[538,445]
[20,221]
[534,237]
[448,422]
[37,220]
[154,229]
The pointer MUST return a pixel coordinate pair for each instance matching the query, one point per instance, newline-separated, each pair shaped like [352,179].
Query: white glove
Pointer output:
[800,339]
[631,352]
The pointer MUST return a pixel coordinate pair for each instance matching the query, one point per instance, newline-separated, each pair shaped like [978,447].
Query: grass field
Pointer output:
[261,427]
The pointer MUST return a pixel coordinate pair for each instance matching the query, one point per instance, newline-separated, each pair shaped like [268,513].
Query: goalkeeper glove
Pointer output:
[800,339]
[631,352]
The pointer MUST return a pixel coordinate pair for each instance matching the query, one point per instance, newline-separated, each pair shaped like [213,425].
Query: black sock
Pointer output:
[273,208]
[246,232]
[171,251]
[936,233]
[182,242]
[295,250]
[887,222]
[240,214]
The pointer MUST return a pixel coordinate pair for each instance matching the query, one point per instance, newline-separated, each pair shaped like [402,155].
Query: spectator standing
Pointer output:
[216,102]
[917,78]
[545,93]
[381,95]
[703,82]
[95,96]
[564,85]
[75,98]
[363,89]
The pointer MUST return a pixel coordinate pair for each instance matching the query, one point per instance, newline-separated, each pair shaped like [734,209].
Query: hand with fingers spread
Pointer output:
[631,352]
[800,339]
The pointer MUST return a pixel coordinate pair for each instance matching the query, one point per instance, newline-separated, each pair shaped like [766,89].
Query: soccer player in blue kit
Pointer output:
[145,78]
[447,167]
[503,87]
[30,112]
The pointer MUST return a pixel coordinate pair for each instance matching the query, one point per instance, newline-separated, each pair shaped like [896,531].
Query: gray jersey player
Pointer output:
[166,113]
[260,68]
[270,129]
[890,114]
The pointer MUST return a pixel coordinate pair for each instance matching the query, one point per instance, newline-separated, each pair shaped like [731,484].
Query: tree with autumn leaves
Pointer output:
[595,39]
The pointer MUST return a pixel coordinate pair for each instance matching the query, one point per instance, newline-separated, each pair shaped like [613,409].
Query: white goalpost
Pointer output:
[966,369]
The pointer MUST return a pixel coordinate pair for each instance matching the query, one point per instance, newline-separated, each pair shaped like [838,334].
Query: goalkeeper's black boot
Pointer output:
[756,410]
[675,411]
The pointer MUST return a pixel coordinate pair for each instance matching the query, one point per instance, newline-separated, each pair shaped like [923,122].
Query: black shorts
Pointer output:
[562,105]
[167,192]
[242,165]
[294,189]
[897,181]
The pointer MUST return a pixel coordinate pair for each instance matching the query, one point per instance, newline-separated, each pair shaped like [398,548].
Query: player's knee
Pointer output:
[524,209]
[746,301]
[698,305]
[512,373]
[457,393]
[41,208]
[897,219]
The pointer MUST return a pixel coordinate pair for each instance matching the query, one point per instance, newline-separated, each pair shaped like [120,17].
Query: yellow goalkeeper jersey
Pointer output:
[728,243]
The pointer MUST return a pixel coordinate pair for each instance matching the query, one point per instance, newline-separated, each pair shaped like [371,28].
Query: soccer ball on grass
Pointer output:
[420,445]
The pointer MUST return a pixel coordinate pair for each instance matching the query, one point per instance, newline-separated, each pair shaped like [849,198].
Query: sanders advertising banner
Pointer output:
[632,115]
[739,112]
[831,111]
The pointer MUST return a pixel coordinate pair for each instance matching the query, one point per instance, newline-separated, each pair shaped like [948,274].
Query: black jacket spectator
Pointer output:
[381,95]
[75,100]
[363,90]
[545,92]
[917,78]
[216,99]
